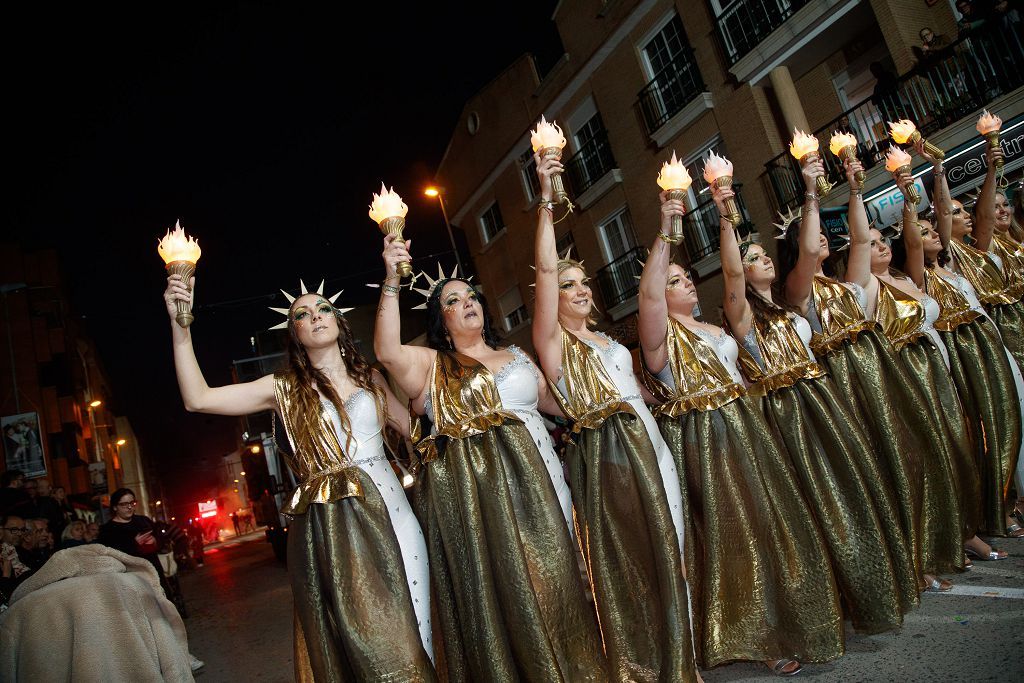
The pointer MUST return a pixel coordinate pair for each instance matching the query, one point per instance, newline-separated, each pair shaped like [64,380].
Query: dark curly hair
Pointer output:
[437,335]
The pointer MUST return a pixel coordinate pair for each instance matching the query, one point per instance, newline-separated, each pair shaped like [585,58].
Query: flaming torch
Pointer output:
[675,180]
[804,148]
[718,173]
[180,254]
[844,146]
[548,141]
[897,162]
[904,131]
[989,125]
[388,211]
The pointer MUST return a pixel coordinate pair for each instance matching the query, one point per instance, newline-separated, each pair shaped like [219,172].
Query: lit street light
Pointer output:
[439,193]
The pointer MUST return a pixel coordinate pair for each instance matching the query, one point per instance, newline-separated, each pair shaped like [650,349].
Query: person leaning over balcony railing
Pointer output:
[758,567]
[824,440]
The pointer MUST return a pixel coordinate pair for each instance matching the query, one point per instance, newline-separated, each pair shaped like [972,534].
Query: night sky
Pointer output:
[264,127]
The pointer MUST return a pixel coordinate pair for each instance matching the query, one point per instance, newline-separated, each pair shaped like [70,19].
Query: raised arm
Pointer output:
[858,261]
[653,316]
[801,278]
[914,265]
[408,365]
[199,397]
[734,302]
[985,209]
[546,335]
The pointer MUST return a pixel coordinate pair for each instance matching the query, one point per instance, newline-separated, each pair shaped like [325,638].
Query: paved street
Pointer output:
[241,611]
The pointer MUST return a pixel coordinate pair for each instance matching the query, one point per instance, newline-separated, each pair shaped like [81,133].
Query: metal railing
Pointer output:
[618,281]
[700,226]
[590,163]
[670,90]
[957,82]
[744,24]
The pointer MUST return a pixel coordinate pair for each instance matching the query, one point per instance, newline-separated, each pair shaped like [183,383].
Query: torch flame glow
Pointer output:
[674,175]
[177,246]
[895,159]
[902,130]
[387,204]
[841,141]
[803,144]
[546,135]
[989,123]
[716,167]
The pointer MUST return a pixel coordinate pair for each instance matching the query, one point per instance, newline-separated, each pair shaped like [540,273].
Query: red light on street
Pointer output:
[206,515]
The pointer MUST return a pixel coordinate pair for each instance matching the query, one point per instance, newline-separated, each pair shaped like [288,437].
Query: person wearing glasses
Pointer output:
[130,533]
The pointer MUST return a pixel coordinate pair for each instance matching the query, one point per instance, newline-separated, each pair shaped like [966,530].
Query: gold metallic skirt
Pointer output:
[354,617]
[870,376]
[942,525]
[759,571]
[1009,318]
[984,380]
[632,554]
[509,596]
[854,507]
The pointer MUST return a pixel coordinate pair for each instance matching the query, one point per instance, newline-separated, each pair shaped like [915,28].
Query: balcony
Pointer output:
[971,73]
[619,281]
[592,162]
[674,89]
[746,23]
[701,233]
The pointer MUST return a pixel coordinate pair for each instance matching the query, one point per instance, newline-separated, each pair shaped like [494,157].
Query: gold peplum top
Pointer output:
[786,360]
[981,271]
[319,462]
[1012,255]
[954,309]
[839,313]
[464,398]
[590,394]
[702,382]
[901,316]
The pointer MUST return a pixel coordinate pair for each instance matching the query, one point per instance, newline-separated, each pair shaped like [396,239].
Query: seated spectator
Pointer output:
[14,499]
[73,535]
[12,570]
[35,548]
[92,532]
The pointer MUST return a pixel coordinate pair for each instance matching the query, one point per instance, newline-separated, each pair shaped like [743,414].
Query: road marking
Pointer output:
[985,592]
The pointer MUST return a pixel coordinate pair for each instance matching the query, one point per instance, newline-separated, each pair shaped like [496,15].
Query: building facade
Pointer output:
[644,78]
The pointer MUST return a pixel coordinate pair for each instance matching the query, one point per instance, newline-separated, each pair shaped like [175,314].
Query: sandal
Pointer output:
[993,554]
[779,667]
[1014,531]
[939,586]
[968,565]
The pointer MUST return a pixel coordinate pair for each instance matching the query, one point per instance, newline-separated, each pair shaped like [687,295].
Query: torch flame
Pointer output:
[803,144]
[841,141]
[902,130]
[895,159]
[546,135]
[989,123]
[387,204]
[177,246]
[674,175]
[716,167]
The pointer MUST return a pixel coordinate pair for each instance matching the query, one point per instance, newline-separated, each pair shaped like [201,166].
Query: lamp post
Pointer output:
[439,193]
[91,409]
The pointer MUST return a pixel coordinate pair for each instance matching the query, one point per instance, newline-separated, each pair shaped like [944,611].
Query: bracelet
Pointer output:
[939,170]
[856,193]
[669,239]
[811,196]
[390,290]
[546,204]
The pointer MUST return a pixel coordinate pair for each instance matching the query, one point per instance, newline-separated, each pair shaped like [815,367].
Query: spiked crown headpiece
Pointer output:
[302,290]
[432,283]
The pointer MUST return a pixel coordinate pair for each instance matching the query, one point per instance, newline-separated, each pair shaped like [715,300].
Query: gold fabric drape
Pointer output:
[590,394]
[509,597]
[841,317]
[1012,255]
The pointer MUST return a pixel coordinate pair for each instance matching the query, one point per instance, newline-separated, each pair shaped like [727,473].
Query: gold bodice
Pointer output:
[901,316]
[590,393]
[702,382]
[319,462]
[1012,255]
[783,354]
[983,274]
[954,308]
[839,313]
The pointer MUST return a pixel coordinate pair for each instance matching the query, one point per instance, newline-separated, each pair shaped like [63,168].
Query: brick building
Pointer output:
[643,78]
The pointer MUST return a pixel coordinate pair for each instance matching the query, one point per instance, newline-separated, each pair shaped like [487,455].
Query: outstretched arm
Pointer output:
[800,279]
[199,397]
[858,262]
[734,304]
[408,365]
[985,209]
[914,266]
[546,335]
[653,316]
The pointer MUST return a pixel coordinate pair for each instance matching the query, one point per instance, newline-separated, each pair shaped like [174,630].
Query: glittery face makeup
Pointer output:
[301,313]
[455,297]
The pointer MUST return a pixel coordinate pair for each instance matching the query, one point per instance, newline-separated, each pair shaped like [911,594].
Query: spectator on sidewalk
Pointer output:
[14,528]
[48,507]
[92,532]
[73,535]
[130,533]
[66,509]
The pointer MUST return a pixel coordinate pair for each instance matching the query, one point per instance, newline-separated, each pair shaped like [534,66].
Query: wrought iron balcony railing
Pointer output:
[957,82]
[590,163]
[744,24]
[618,281]
[670,91]
[700,226]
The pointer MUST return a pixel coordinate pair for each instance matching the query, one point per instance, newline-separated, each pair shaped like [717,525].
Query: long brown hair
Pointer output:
[306,379]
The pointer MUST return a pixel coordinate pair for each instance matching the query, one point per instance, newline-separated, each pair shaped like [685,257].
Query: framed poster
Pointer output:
[23,448]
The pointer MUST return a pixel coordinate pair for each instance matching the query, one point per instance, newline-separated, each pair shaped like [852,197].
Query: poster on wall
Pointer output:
[23,449]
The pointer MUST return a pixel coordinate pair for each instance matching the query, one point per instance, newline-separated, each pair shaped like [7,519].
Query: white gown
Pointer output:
[367,452]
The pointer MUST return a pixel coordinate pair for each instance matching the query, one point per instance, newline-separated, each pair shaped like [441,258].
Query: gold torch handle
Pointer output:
[677,221]
[394,226]
[556,178]
[850,154]
[993,141]
[910,194]
[186,269]
[732,209]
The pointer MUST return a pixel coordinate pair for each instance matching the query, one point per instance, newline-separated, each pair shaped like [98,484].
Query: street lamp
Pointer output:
[121,442]
[91,409]
[438,192]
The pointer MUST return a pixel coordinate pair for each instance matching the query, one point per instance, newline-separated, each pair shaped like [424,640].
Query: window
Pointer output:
[513,312]
[491,222]
[564,243]
[702,221]
[616,235]
[661,50]
[528,169]
[695,167]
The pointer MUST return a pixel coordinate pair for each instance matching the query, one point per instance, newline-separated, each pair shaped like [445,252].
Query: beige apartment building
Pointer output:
[643,78]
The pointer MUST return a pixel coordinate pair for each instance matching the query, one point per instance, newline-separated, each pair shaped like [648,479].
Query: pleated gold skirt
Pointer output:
[855,510]
[509,596]
[942,524]
[1009,318]
[354,618]
[984,381]
[759,573]
[869,375]
[630,547]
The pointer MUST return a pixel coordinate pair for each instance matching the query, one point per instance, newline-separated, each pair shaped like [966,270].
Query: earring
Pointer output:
[342,351]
